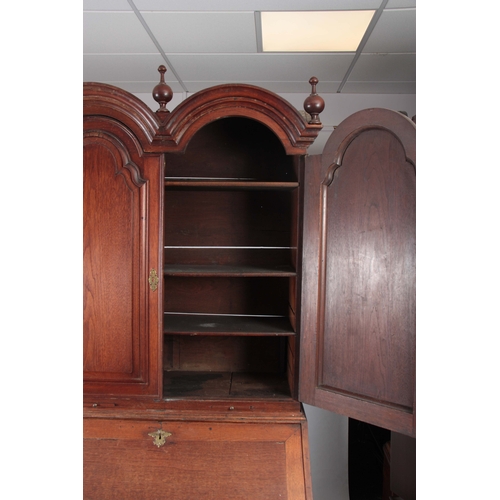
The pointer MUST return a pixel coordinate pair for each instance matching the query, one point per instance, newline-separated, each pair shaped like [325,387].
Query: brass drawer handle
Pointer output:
[159,437]
[153,280]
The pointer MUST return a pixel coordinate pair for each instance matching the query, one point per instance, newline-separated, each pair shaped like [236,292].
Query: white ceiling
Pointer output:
[205,43]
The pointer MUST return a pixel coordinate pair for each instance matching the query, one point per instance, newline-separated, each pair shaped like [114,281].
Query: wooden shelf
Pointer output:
[195,183]
[217,385]
[229,260]
[189,270]
[208,324]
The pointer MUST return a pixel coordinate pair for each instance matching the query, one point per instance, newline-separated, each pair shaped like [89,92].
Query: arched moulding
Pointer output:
[329,174]
[116,148]
[100,99]
[241,100]
[171,132]
[368,119]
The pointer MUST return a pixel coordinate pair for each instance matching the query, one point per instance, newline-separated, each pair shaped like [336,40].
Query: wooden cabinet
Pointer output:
[228,277]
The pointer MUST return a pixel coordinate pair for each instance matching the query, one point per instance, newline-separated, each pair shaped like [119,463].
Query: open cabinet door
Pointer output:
[358,306]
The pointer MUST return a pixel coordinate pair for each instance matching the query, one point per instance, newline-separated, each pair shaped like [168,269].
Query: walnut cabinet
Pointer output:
[228,277]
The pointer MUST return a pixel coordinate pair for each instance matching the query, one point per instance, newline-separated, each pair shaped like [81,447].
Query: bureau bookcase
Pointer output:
[228,277]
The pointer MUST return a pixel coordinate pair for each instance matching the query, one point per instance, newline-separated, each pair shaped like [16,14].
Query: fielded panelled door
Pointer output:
[358,301]
[121,227]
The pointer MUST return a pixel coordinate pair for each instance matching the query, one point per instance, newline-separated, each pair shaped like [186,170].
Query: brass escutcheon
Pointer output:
[159,437]
[153,280]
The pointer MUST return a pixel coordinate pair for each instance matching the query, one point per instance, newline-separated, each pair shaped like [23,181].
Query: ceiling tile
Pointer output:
[384,68]
[124,68]
[119,51]
[394,32]
[401,4]
[115,32]
[261,67]
[253,5]
[203,32]
[106,5]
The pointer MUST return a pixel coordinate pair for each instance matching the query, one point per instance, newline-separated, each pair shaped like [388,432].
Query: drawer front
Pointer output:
[125,459]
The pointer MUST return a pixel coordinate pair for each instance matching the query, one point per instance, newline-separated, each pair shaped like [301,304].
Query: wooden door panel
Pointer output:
[367,274]
[360,208]
[209,460]
[112,228]
[119,346]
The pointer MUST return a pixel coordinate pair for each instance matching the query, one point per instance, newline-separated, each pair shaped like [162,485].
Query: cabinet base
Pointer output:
[183,460]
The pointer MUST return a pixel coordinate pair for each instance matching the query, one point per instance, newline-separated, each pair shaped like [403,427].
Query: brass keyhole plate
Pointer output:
[159,437]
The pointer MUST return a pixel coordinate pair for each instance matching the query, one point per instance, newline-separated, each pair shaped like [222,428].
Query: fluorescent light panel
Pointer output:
[314,31]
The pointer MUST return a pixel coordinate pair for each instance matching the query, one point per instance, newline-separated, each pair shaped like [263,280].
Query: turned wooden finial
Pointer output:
[162,93]
[314,104]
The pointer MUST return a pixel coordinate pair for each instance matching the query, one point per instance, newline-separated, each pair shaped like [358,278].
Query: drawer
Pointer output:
[196,460]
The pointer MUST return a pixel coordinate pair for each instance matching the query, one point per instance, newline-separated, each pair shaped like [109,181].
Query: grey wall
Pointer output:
[328,450]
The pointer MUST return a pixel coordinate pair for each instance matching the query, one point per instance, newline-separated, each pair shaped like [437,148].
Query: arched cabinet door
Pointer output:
[358,306]
[121,203]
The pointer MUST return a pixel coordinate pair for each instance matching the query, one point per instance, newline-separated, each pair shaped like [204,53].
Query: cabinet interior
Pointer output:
[230,260]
